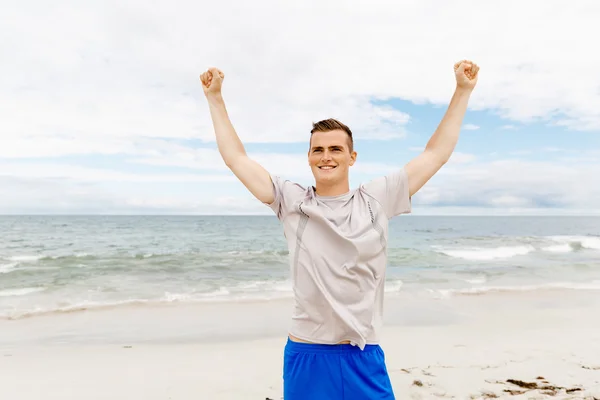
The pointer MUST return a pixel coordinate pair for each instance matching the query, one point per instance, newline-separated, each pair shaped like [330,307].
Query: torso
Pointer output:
[337,259]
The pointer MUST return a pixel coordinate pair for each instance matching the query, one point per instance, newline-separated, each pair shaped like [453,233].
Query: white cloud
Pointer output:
[461,158]
[504,201]
[470,127]
[25,146]
[518,183]
[76,173]
[176,205]
[121,79]
[123,70]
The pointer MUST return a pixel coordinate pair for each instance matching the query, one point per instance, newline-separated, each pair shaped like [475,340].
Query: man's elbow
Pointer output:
[439,157]
[229,163]
[231,160]
[443,160]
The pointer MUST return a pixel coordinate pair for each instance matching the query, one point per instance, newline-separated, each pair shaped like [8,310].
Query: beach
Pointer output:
[198,307]
[470,347]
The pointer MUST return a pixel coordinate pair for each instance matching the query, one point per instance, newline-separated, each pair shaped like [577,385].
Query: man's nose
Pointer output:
[326,155]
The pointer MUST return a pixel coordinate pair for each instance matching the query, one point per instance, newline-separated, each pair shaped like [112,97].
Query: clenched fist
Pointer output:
[466,74]
[212,81]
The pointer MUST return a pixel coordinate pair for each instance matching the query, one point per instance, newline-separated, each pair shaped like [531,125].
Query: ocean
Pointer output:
[58,264]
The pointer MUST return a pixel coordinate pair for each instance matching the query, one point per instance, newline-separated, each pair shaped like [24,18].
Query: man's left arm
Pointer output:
[441,145]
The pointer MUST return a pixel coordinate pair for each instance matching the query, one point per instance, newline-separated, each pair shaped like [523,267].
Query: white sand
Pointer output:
[498,340]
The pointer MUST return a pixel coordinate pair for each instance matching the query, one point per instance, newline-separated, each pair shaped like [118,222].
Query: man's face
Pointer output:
[329,156]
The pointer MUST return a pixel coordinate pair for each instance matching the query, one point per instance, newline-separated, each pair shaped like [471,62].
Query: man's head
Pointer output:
[331,154]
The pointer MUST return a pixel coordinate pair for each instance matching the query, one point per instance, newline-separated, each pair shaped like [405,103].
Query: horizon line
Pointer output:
[272,215]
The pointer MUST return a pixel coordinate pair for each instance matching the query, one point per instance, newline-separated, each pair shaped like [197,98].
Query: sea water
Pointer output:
[58,264]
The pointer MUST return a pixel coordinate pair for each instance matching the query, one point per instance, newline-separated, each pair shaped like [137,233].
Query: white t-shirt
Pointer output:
[338,256]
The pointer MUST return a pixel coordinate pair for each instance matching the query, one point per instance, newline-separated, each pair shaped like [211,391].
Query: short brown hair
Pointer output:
[331,124]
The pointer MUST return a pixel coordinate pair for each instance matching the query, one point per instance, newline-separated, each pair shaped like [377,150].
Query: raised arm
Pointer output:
[254,177]
[442,143]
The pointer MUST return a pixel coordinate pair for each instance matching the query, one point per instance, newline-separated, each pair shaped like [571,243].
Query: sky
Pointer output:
[102,111]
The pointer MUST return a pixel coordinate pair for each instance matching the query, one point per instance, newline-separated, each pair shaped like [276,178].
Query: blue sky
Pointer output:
[103,112]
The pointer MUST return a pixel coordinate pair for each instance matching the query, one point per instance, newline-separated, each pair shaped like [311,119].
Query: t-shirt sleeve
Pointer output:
[392,192]
[285,194]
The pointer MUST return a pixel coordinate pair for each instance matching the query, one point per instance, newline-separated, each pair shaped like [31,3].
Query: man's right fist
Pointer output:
[212,80]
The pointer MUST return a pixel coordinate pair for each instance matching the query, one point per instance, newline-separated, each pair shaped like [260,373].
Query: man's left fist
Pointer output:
[466,73]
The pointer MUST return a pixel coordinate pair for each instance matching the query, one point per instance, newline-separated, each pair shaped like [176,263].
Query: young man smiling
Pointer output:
[337,240]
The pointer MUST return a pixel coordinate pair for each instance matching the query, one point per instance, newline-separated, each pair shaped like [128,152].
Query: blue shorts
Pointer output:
[335,372]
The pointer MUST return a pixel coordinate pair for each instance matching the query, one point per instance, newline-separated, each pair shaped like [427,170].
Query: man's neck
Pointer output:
[332,190]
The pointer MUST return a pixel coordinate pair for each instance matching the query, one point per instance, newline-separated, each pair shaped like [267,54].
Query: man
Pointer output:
[337,239]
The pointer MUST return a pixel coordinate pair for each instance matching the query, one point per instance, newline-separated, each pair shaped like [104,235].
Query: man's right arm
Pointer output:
[254,177]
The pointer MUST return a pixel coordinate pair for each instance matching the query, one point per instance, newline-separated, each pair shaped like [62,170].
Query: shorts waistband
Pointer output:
[327,348]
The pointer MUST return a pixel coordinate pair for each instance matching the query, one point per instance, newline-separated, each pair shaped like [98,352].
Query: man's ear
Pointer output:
[353,156]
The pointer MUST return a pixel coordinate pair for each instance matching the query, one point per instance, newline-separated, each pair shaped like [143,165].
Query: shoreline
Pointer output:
[395,290]
[258,318]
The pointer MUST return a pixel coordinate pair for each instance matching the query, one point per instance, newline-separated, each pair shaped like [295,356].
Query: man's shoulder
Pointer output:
[282,181]
[289,188]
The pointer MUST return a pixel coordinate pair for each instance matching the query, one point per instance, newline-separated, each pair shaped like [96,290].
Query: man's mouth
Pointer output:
[328,167]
